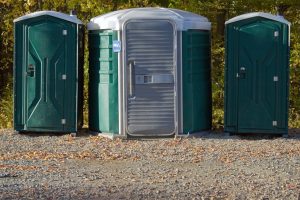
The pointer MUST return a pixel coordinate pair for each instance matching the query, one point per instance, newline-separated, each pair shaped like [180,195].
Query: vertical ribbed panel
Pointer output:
[103,82]
[150,45]
[196,84]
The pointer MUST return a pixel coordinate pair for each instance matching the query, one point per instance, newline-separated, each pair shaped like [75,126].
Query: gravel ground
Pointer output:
[213,166]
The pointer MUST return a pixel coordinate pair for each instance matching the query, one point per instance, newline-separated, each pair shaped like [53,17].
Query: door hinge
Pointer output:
[274,123]
[64,77]
[65,32]
[63,121]
[276,34]
[275,78]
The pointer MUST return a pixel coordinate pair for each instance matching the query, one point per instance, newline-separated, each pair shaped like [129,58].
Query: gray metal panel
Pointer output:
[150,47]
[179,105]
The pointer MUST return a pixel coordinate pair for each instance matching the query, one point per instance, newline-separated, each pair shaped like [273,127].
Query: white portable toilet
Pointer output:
[149,72]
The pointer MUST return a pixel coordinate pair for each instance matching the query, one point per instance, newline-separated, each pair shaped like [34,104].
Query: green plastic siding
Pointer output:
[42,99]
[103,82]
[19,120]
[241,114]
[196,83]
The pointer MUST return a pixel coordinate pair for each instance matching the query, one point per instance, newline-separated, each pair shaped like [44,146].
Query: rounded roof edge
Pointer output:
[259,14]
[183,19]
[63,16]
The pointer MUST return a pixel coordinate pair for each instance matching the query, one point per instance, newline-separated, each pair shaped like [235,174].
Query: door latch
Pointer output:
[242,72]
[30,70]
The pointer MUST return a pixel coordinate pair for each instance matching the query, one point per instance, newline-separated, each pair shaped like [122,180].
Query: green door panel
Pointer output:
[45,67]
[257,66]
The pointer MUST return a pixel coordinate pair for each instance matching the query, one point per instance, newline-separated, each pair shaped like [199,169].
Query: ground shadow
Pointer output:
[84,132]
[212,134]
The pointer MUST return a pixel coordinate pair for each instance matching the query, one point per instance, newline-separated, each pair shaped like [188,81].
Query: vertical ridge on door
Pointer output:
[150,45]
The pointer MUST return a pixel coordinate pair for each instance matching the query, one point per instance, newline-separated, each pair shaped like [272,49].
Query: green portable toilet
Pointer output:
[257,74]
[149,72]
[48,72]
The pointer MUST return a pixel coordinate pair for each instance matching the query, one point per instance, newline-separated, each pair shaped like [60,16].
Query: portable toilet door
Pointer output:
[257,74]
[48,74]
[136,71]
[151,59]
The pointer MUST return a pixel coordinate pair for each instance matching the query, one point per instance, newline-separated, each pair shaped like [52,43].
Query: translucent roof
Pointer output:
[259,14]
[184,20]
[70,18]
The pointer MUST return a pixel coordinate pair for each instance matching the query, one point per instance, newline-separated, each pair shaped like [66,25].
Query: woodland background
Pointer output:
[217,11]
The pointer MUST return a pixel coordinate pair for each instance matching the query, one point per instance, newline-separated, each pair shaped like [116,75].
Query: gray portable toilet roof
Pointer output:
[184,20]
[259,14]
[70,18]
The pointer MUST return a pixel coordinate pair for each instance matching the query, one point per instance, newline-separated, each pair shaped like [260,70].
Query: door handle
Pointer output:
[131,79]
[242,73]
[31,70]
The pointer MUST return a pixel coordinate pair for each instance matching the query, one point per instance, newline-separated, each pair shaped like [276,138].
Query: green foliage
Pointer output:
[216,10]
[6,108]
[294,119]
[217,74]
[86,81]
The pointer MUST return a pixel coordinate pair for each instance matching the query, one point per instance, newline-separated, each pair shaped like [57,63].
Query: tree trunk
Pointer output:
[221,17]
[115,5]
[282,8]
[40,4]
